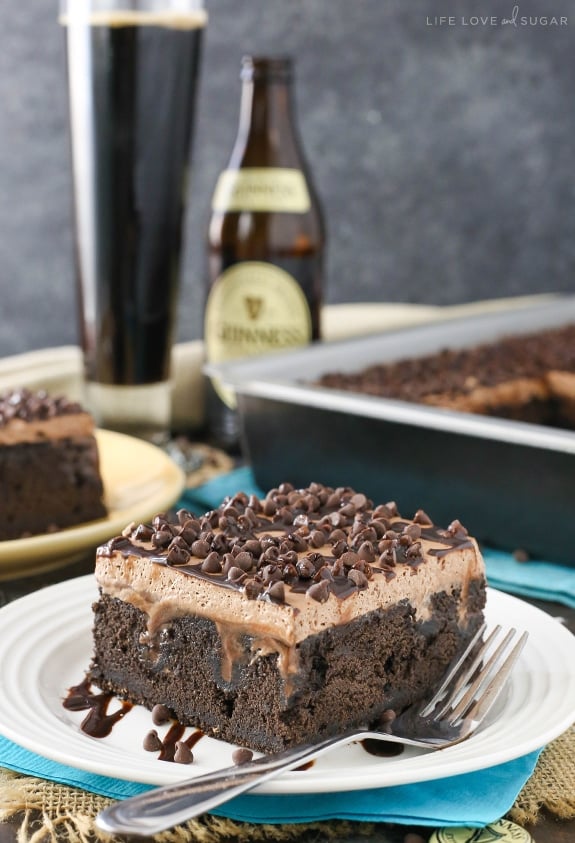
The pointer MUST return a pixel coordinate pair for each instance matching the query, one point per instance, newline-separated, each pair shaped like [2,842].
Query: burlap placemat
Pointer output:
[52,813]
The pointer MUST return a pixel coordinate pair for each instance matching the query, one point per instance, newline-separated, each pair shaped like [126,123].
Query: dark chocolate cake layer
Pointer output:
[347,675]
[47,486]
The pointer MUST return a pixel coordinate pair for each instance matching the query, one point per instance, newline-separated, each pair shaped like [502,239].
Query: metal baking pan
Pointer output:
[511,483]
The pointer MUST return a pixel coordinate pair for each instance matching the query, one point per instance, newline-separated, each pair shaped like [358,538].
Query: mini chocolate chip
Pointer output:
[333,501]
[422,518]
[391,534]
[319,591]
[358,578]
[359,501]
[242,756]
[183,753]
[254,503]
[413,531]
[252,588]
[312,503]
[337,536]
[184,515]
[299,544]
[364,567]
[161,538]
[348,510]
[366,552]
[160,714]
[289,572]
[143,533]
[270,573]
[349,558]
[212,564]
[152,742]
[188,534]
[392,507]
[228,562]
[244,560]
[456,528]
[231,512]
[200,548]
[271,554]
[339,548]
[305,568]
[122,541]
[338,568]
[253,546]
[236,574]
[336,519]
[324,573]
[276,592]
[414,550]
[317,538]
[405,540]
[387,716]
[177,555]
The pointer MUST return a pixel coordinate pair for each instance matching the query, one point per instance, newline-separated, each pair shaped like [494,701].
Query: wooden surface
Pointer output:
[548,830]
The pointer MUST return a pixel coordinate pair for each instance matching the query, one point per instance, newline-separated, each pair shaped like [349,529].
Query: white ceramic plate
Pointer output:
[46,645]
[139,481]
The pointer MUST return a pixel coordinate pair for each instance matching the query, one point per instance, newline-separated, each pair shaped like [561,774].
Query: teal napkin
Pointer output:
[472,799]
[538,579]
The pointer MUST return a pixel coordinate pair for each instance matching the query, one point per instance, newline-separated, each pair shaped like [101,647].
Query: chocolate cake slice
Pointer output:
[269,622]
[49,467]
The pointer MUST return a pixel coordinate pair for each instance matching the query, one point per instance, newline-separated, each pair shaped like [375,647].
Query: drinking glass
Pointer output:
[132,82]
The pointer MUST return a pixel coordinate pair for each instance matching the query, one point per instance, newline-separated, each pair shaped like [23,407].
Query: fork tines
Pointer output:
[477,677]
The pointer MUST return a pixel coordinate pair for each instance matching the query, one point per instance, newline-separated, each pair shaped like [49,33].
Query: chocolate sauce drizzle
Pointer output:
[98,723]
[318,541]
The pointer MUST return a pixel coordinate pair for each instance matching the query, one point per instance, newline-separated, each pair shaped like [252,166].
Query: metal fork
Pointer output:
[461,703]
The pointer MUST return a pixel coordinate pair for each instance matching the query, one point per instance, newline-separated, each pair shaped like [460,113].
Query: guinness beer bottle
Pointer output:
[266,239]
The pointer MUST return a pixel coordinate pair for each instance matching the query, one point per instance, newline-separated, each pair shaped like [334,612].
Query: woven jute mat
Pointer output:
[53,813]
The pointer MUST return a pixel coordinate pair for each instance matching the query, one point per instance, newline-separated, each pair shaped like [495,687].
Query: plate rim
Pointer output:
[31,552]
[289,783]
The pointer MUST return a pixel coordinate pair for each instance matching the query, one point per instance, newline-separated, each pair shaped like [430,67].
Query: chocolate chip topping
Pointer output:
[318,541]
[242,756]
[152,742]
[31,406]
[183,753]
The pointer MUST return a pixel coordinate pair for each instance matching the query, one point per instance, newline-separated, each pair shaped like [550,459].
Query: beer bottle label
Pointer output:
[277,189]
[253,308]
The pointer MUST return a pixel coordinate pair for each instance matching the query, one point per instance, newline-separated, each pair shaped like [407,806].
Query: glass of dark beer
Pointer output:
[132,78]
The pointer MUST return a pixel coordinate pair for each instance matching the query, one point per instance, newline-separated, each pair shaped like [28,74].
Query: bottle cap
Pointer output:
[501,831]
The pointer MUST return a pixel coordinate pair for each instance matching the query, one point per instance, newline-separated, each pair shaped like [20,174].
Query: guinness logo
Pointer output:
[253,307]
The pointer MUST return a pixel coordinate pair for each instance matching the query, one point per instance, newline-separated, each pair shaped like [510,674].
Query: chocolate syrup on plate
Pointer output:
[97,723]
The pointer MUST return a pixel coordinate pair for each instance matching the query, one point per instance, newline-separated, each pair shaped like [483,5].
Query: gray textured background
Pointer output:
[444,154]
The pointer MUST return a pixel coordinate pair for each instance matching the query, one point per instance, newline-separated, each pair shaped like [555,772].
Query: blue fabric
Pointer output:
[538,579]
[470,799]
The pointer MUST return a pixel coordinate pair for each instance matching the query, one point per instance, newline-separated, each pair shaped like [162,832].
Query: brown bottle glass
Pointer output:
[266,239]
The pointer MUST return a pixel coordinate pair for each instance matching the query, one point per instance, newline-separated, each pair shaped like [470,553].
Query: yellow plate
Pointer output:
[139,480]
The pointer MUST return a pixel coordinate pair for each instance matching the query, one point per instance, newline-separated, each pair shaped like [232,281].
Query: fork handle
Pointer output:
[164,807]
